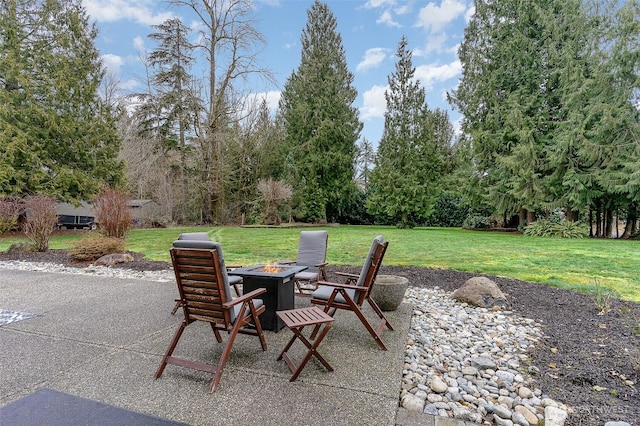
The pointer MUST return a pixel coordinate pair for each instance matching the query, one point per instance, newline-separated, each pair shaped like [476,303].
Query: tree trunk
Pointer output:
[531,216]
[632,222]
[572,215]
[608,223]
[522,217]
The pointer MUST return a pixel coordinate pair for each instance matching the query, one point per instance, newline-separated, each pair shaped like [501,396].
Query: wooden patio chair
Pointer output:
[352,294]
[312,253]
[193,240]
[205,295]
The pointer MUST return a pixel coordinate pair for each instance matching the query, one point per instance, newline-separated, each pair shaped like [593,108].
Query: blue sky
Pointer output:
[370,31]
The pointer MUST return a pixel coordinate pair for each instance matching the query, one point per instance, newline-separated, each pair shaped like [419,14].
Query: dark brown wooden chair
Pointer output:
[193,240]
[205,295]
[356,289]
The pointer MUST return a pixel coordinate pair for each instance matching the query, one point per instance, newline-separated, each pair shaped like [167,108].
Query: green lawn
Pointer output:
[566,263]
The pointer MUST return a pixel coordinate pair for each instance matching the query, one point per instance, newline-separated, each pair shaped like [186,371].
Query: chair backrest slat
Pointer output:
[201,283]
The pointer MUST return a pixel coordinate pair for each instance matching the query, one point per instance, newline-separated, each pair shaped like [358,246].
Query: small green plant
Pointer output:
[553,228]
[603,296]
[476,221]
[93,246]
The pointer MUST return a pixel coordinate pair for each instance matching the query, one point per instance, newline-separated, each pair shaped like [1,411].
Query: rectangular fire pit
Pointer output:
[278,280]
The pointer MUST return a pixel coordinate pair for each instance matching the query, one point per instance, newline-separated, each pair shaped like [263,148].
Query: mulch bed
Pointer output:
[584,358]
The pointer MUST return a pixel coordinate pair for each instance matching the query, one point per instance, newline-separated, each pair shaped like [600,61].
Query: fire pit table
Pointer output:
[278,280]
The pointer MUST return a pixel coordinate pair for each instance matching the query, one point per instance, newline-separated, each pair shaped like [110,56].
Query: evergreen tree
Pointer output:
[322,126]
[56,136]
[546,95]
[405,181]
[168,111]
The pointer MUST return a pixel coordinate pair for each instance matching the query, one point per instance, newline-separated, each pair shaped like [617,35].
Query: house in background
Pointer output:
[144,212]
[72,217]
[84,215]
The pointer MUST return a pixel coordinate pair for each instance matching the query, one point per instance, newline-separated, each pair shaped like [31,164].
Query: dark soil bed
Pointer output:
[584,358]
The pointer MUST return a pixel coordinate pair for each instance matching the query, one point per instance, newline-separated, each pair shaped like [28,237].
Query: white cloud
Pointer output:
[138,43]
[372,58]
[373,4]
[436,17]
[112,63]
[374,104]
[139,11]
[272,97]
[403,10]
[428,74]
[435,42]
[387,19]
[470,12]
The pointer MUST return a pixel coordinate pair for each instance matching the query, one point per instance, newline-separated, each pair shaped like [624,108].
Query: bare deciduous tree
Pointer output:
[230,42]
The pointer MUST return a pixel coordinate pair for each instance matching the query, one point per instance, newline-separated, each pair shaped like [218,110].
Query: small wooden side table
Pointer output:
[296,320]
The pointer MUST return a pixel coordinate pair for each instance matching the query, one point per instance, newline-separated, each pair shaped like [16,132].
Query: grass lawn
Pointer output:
[579,264]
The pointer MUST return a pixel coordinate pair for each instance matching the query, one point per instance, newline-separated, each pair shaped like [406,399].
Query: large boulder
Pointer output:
[482,292]
[112,259]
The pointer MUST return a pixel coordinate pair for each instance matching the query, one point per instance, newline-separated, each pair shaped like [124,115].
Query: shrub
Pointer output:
[551,228]
[41,219]
[113,215]
[450,210]
[94,246]
[476,221]
[10,210]
[603,296]
[274,195]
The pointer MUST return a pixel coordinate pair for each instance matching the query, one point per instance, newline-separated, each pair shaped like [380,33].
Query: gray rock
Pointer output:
[482,292]
[430,409]
[554,416]
[483,363]
[412,402]
[438,385]
[519,419]
[112,259]
[502,411]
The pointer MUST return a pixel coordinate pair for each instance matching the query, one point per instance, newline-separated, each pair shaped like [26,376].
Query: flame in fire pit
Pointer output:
[272,268]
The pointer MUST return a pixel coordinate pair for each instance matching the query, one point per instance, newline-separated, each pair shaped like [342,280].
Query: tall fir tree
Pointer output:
[167,112]
[405,181]
[543,102]
[322,125]
[56,135]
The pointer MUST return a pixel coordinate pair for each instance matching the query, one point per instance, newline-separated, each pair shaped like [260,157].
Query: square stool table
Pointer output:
[296,320]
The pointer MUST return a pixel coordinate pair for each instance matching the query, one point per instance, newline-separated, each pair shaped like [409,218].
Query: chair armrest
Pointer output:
[346,274]
[244,297]
[340,285]
[321,265]
[350,278]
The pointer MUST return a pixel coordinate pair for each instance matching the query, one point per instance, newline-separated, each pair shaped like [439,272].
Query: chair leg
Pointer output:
[378,311]
[175,308]
[216,332]
[256,322]
[170,349]
[374,333]
[237,290]
[227,349]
